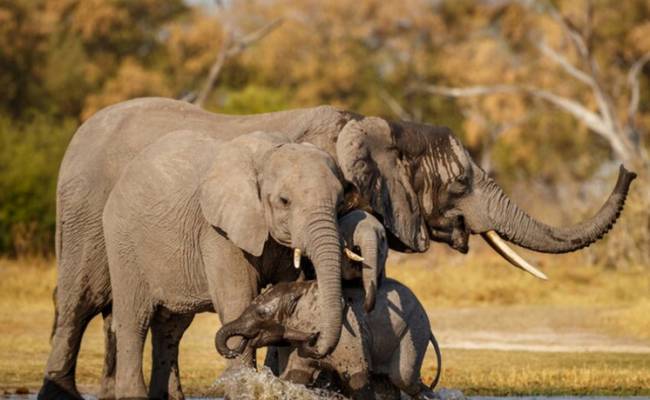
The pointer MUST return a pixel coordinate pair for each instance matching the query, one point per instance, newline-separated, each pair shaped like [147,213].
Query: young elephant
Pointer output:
[390,341]
[365,235]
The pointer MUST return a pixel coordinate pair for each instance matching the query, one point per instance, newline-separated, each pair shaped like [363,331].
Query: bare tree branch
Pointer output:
[214,70]
[231,48]
[253,37]
[564,63]
[605,121]
[593,120]
[581,44]
[633,82]
[479,90]
[572,32]
[394,106]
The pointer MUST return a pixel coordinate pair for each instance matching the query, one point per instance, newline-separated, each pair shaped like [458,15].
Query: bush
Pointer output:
[30,154]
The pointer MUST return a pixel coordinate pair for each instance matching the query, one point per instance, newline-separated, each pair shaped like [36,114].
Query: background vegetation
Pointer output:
[548,95]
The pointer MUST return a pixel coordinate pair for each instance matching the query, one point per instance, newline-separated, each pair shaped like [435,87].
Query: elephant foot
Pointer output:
[107,391]
[52,390]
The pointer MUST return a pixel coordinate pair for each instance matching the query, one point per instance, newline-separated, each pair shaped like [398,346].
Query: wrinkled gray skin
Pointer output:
[366,236]
[417,178]
[391,341]
[194,224]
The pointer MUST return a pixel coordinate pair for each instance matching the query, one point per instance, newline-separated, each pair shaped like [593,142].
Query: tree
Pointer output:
[597,100]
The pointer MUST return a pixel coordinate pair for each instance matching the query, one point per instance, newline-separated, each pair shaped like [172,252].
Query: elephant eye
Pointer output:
[459,185]
[360,164]
[285,201]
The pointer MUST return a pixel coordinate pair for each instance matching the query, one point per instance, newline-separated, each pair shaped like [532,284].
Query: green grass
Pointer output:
[26,314]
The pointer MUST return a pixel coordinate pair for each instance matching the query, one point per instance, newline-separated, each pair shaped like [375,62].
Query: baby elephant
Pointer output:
[390,342]
[365,235]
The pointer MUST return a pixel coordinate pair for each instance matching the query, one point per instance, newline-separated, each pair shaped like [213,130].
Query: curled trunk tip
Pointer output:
[221,342]
[516,226]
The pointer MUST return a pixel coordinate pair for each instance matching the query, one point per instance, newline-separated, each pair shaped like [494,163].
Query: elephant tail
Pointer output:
[436,347]
[56,314]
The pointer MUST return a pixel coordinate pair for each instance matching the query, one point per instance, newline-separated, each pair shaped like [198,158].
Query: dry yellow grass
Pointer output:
[482,279]
[26,314]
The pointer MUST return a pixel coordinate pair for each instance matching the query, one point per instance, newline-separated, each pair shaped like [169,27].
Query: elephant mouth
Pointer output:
[455,233]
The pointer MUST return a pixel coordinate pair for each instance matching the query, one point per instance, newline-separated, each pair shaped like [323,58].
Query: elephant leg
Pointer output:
[166,334]
[354,375]
[405,363]
[298,370]
[83,290]
[72,316]
[383,388]
[132,314]
[107,390]
[130,333]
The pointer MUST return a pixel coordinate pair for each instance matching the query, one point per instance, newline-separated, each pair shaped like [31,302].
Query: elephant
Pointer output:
[365,235]
[362,234]
[416,178]
[389,342]
[196,224]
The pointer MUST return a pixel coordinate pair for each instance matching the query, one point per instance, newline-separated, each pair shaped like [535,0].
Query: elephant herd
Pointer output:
[165,210]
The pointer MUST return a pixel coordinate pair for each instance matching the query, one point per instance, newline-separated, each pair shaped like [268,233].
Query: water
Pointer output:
[248,384]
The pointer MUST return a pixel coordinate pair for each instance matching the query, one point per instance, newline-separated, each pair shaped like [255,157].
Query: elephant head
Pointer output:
[261,186]
[266,321]
[422,182]
[363,234]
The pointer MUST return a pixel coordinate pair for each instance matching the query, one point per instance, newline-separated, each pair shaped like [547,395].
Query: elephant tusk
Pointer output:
[297,255]
[500,246]
[352,255]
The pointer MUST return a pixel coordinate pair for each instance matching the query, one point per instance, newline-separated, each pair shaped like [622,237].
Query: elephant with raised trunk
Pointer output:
[417,178]
[196,224]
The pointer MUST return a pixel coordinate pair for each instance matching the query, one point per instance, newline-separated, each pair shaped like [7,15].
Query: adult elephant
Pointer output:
[417,178]
[197,224]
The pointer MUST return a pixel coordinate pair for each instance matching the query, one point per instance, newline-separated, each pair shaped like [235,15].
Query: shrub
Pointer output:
[30,154]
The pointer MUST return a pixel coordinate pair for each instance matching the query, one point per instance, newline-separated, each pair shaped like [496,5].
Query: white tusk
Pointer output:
[500,246]
[297,255]
[352,255]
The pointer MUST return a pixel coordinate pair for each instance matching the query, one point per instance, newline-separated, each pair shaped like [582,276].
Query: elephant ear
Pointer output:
[229,193]
[368,156]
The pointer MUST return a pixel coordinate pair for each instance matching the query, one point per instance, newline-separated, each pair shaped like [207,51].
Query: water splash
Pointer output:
[249,384]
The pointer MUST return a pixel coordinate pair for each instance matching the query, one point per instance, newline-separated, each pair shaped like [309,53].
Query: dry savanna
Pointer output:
[585,331]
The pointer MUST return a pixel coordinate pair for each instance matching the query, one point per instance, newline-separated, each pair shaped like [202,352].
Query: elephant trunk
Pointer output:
[324,249]
[227,331]
[514,225]
[370,270]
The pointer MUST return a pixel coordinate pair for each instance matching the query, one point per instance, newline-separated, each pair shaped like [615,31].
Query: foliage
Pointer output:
[30,154]
[63,60]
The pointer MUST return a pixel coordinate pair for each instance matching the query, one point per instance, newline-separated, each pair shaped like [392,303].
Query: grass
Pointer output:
[617,302]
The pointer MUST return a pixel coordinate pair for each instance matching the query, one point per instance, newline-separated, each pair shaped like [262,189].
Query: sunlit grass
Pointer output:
[484,372]
[26,314]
